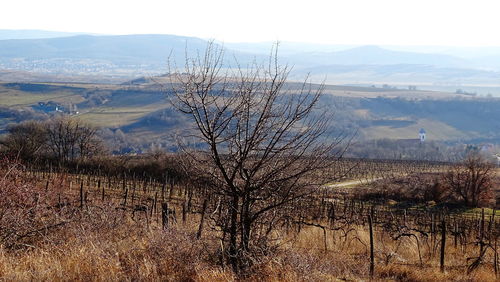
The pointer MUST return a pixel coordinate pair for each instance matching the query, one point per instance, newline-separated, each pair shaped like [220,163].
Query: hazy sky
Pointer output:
[399,22]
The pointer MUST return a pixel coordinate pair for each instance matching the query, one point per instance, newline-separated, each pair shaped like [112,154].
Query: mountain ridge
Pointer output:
[136,55]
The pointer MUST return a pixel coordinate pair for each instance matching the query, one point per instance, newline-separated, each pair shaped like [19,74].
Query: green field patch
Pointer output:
[116,117]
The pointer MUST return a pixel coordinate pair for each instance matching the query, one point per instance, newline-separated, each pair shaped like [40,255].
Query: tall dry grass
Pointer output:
[130,251]
[101,242]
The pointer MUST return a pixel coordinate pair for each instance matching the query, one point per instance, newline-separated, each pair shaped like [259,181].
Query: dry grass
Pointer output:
[103,243]
[130,251]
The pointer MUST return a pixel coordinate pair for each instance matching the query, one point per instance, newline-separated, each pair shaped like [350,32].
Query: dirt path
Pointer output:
[352,182]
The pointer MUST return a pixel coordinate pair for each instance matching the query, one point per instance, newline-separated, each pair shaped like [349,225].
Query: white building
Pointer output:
[421,134]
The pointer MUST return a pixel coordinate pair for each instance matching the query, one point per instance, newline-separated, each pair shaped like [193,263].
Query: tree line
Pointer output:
[62,139]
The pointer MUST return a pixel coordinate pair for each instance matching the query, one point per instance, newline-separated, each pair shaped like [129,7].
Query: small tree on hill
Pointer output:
[259,145]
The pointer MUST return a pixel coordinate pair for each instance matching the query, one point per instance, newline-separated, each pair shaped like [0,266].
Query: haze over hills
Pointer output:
[138,55]
[34,34]
[129,56]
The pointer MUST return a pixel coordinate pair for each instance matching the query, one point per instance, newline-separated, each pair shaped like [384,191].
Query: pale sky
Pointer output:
[384,22]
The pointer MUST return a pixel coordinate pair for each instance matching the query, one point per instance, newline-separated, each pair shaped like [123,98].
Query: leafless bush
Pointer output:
[27,211]
[27,140]
[471,180]
[416,187]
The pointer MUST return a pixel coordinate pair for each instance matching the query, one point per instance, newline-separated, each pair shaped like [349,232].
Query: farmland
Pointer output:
[127,225]
[142,109]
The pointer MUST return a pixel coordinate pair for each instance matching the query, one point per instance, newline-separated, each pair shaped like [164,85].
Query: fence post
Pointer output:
[153,205]
[481,235]
[372,258]
[455,233]
[81,195]
[200,228]
[125,197]
[443,244]
[184,211]
[495,259]
[164,215]
[102,192]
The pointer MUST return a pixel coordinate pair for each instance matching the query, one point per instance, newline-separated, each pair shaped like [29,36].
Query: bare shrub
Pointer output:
[471,180]
[27,140]
[416,187]
[27,211]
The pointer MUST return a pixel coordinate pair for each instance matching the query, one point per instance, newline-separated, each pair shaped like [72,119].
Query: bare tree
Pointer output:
[259,143]
[69,139]
[471,180]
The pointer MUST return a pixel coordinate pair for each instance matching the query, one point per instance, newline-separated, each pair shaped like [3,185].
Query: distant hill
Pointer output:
[34,34]
[403,75]
[119,49]
[125,57]
[374,55]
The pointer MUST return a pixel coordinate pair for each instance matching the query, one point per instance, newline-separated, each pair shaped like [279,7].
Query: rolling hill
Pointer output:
[139,114]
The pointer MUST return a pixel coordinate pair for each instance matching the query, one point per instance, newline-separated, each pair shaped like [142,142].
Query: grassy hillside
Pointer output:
[142,112]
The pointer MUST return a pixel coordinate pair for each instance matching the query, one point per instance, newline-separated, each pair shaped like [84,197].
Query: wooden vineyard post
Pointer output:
[481,243]
[184,211]
[125,197]
[102,192]
[481,235]
[81,195]
[495,258]
[133,193]
[455,233]
[200,228]
[164,215]
[443,244]
[372,258]
[493,233]
[171,192]
[163,191]
[153,205]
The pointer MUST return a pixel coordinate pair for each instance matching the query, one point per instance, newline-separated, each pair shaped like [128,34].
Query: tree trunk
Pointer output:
[233,233]
[246,223]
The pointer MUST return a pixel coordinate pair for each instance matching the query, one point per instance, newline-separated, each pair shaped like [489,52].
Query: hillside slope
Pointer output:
[141,114]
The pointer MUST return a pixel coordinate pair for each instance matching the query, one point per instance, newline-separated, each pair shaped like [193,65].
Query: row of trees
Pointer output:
[64,139]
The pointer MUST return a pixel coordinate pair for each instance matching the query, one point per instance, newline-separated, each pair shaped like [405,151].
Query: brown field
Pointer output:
[91,229]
